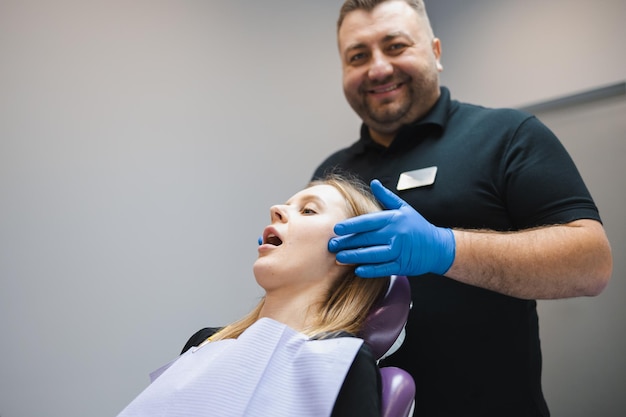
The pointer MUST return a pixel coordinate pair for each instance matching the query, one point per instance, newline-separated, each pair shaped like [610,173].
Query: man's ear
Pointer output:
[436,45]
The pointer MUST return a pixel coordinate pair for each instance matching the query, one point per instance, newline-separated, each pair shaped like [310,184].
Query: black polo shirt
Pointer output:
[472,351]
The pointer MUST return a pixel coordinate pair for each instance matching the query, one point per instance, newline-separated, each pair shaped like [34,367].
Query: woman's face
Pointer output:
[294,254]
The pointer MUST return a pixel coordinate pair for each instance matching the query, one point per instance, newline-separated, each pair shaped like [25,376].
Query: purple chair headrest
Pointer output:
[388,316]
[398,392]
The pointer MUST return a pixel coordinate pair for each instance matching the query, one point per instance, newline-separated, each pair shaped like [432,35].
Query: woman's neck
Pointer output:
[296,311]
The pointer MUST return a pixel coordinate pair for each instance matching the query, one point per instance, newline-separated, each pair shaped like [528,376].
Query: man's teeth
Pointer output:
[384,90]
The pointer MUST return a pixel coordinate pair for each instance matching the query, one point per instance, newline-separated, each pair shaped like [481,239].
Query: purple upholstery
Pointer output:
[388,317]
[382,328]
[398,392]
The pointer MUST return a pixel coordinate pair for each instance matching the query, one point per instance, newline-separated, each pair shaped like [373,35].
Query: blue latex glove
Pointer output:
[396,241]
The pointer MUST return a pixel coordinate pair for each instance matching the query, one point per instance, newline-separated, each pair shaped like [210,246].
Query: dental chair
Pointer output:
[383,332]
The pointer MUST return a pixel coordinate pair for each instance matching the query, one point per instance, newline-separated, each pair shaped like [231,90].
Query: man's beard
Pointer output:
[390,111]
[389,116]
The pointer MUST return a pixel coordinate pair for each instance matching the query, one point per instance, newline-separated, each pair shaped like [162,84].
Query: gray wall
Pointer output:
[142,143]
[584,339]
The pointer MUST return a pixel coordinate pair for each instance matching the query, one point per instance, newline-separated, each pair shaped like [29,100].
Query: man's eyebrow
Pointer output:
[355,46]
[387,38]
[399,34]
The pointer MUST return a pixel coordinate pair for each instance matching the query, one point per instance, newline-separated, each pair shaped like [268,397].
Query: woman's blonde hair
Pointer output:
[350,298]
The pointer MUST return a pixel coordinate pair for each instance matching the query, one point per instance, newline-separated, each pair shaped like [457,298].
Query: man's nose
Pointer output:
[380,66]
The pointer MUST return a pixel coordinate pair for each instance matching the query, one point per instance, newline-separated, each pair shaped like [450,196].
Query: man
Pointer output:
[488,213]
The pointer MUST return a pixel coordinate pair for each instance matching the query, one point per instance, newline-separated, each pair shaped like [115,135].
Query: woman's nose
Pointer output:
[278,213]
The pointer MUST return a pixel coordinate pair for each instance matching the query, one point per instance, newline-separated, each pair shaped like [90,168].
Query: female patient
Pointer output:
[295,347]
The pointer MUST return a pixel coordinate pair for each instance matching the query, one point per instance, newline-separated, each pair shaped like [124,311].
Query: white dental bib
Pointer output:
[270,370]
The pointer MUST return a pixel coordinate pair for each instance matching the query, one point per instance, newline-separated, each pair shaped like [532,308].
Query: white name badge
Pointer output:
[417,178]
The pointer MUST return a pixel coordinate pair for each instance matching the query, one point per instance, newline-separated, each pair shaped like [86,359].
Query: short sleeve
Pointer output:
[542,182]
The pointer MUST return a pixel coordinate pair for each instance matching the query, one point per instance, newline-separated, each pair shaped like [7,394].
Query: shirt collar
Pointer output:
[435,118]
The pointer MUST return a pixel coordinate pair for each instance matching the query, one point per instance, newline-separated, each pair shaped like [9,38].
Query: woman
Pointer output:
[311,302]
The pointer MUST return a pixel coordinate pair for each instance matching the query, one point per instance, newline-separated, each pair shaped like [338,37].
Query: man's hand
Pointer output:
[396,241]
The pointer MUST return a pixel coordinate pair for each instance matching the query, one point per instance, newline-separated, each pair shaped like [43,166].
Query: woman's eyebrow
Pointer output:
[306,198]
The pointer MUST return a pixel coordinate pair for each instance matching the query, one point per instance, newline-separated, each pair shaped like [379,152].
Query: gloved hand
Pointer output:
[396,241]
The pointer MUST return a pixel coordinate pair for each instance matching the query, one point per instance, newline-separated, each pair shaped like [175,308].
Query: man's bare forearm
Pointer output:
[551,262]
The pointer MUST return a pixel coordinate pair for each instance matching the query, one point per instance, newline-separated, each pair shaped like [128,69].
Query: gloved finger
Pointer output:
[260,240]
[358,240]
[369,256]
[363,223]
[388,199]
[377,271]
